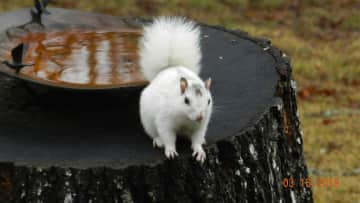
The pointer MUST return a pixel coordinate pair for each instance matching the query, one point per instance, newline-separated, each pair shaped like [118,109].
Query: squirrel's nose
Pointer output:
[199,117]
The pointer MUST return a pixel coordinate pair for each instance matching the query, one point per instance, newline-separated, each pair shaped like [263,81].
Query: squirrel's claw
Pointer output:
[170,153]
[199,154]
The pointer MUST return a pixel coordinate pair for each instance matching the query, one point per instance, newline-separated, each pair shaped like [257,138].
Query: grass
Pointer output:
[322,37]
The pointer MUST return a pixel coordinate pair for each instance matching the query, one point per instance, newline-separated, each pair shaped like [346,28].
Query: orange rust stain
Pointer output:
[5,183]
[85,58]
[287,126]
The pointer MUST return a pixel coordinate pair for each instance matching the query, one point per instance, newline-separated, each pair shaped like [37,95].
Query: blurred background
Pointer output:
[323,39]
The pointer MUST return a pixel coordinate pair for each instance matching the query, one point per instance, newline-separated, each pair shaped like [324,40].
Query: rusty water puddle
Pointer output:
[85,58]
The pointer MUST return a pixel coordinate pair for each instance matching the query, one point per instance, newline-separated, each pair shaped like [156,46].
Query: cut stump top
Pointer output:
[83,130]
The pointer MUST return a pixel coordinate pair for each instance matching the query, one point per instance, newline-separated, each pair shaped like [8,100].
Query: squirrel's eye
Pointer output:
[209,101]
[187,101]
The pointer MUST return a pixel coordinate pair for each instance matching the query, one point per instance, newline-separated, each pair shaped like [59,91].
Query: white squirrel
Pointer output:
[176,101]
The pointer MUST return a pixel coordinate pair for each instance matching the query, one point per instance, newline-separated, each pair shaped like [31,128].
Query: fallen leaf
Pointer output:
[332,146]
[306,93]
[328,121]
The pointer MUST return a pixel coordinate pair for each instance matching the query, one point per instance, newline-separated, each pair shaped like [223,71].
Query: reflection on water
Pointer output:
[84,57]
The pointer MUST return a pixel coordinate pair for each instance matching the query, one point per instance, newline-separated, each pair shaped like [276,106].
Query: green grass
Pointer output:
[323,39]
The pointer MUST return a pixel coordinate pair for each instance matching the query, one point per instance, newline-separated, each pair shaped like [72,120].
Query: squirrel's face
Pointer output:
[197,99]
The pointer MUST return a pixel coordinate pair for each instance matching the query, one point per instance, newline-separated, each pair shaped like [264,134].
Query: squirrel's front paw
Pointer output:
[199,153]
[170,152]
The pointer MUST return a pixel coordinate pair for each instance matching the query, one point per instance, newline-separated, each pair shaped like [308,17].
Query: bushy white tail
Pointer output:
[169,42]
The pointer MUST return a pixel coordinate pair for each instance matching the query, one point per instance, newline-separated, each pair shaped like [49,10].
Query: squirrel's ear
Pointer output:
[208,83]
[183,85]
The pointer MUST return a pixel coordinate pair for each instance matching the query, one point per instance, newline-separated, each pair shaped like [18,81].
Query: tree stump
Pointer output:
[84,146]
